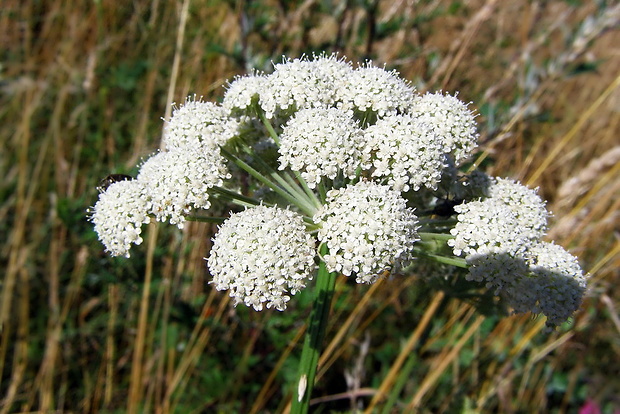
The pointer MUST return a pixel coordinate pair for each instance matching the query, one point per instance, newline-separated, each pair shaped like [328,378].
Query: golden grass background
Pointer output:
[83,86]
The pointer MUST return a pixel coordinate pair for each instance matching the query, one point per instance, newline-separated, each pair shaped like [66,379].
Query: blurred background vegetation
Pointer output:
[83,88]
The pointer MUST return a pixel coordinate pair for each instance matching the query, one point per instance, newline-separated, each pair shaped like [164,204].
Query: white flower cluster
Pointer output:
[500,239]
[170,183]
[302,83]
[370,88]
[405,138]
[177,181]
[526,205]
[368,229]
[261,255]
[198,124]
[323,81]
[118,216]
[554,286]
[407,153]
[506,222]
[241,92]
[338,154]
[497,225]
[451,120]
[320,142]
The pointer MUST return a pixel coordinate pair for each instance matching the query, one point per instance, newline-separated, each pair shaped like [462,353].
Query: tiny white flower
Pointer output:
[261,255]
[405,151]
[320,142]
[242,90]
[302,83]
[507,222]
[369,88]
[118,216]
[500,239]
[197,123]
[368,229]
[554,286]
[529,208]
[175,182]
[450,120]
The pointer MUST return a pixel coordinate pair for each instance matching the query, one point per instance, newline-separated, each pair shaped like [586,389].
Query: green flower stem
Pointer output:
[235,197]
[452,261]
[436,242]
[322,191]
[276,139]
[302,204]
[311,226]
[265,121]
[293,184]
[325,283]
[434,224]
[435,236]
[300,192]
[307,190]
[433,242]
[284,180]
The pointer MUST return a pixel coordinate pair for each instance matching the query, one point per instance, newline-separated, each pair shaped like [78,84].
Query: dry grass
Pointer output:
[83,87]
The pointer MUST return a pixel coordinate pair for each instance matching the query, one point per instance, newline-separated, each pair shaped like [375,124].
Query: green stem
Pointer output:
[307,189]
[291,186]
[302,204]
[235,197]
[325,283]
[274,136]
[322,191]
[452,261]
[309,193]
[267,124]
[425,236]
